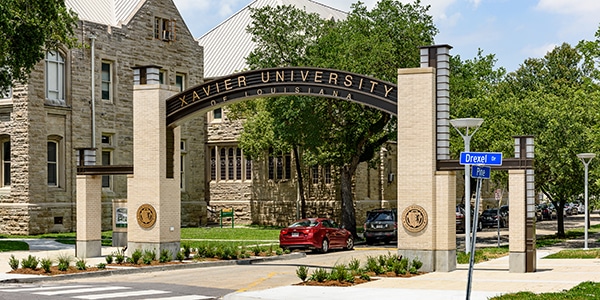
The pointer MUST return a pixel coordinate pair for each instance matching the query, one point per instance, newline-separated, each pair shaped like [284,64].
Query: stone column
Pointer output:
[417,165]
[516,221]
[89,216]
[153,192]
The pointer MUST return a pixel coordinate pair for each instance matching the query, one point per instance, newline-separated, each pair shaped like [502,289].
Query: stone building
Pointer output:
[82,98]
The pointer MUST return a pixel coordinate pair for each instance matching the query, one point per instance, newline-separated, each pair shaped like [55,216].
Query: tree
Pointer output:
[375,43]
[552,98]
[28,28]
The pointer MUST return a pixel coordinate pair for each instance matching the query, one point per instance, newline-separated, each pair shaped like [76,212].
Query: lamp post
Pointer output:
[473,124]
[586,158]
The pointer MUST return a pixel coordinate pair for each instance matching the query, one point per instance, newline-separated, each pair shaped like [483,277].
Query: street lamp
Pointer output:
[586,158]
[473,124]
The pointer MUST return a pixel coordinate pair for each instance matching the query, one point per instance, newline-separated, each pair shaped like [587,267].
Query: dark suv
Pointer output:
[381,225]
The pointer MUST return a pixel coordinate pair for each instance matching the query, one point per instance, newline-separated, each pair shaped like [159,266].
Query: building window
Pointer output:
[213,164]
[165,29]
[315,174]
[222,159]
[106,81]
[107,158]
[6,94]
[52,163]
[55,77]
[180,81]
[328,174]
[6,163]
[231,164]
[161,77]
[248,169]
[280,166]
[182,165]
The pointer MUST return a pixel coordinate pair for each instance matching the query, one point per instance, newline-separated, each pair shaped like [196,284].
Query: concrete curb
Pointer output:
[149,269]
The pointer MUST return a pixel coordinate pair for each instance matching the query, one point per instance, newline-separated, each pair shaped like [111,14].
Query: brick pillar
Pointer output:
[153,193]
[416,161]
[89,216]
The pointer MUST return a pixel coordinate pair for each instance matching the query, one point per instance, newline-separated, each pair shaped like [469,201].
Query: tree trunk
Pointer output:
[348,213]
[560,218]
[300,183]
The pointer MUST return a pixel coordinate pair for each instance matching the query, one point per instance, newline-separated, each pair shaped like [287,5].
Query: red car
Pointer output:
[317,234]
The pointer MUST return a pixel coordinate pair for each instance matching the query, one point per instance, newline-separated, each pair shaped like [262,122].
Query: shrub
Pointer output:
[417,263]
[165,256]
[354,265]
[364,276]
[64,260]
[119,257]
[373,265]
[13,262]
[186,250]
[398,269]
[302,272]
[228,253]
[101,266]
[256,250]
[279,251]
[109,259]
[339,273]
[148,256]
[80,264]
[46,263]
[135,256]
[319,275]
[180,256]
[31,262]
[404,264]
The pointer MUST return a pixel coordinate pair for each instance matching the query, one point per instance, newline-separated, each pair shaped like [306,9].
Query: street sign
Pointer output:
[480,172]
[481,158]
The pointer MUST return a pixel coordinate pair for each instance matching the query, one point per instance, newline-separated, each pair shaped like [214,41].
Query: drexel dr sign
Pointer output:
[281,82]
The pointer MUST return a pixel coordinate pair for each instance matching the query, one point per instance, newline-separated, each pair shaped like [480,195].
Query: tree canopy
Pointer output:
[343,134]
[28,28]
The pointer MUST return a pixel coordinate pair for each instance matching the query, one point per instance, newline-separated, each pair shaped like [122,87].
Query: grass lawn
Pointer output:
[583,291]
[6,246]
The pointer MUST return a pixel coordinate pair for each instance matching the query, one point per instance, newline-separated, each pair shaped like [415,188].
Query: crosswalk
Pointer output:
[89,292]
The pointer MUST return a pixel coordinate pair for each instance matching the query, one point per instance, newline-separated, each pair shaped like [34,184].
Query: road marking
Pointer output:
[82,290]
[124,294]
[43,288]
[257,282]
[186,297]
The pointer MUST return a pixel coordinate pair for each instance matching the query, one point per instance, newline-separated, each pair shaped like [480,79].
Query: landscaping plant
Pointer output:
[13,262]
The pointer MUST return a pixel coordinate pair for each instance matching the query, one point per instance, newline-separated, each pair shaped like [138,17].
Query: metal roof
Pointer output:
[107,12]
[227,45]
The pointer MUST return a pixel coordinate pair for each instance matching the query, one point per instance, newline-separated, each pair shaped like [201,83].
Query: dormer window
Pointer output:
[164,29]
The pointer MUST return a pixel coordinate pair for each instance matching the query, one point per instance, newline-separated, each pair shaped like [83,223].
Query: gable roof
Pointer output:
[227,45]
[107,12]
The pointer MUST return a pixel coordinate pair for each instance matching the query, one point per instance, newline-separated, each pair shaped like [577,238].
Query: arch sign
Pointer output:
[287,81]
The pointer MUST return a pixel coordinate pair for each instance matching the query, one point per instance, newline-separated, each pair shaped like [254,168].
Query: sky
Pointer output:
[512,30]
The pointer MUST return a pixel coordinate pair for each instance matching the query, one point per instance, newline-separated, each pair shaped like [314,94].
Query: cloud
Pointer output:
[582,8]
[538,51]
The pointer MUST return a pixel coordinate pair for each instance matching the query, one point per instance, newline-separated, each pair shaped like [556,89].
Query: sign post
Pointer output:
[480,170]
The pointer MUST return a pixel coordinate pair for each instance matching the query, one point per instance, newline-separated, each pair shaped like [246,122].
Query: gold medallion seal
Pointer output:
[414,218]
[146,215]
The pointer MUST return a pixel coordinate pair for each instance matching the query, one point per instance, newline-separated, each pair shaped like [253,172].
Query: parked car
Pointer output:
[489,217]
[547,211]
[460,219]
[570,209]
[381,225]
[581,208]
[317,234]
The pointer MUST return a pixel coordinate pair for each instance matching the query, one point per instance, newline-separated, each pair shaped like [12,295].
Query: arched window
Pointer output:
[5,162]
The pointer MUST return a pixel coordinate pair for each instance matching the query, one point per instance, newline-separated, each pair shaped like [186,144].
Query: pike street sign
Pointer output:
[481,158]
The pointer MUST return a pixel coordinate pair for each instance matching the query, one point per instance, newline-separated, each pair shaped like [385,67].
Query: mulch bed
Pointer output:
[357,280]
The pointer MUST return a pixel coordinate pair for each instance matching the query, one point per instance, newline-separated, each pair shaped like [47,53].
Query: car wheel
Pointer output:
[324,246]
[350,243]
